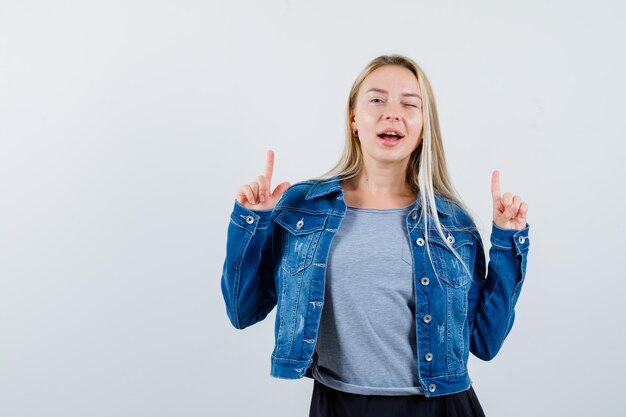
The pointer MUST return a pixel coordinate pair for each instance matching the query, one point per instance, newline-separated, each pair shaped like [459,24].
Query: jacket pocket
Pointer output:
[446,264]
[301,232]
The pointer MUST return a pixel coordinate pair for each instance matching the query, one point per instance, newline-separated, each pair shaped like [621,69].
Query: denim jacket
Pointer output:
[278,258]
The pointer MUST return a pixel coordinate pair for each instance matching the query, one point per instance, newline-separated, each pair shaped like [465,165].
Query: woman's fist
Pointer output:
[257,195]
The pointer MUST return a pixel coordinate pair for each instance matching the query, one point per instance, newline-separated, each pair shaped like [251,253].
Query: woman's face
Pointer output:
[388,102]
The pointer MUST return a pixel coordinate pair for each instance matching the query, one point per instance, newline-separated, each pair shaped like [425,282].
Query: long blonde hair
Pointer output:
[426,169]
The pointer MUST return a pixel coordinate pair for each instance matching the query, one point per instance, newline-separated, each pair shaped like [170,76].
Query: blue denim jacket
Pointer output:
[278,258]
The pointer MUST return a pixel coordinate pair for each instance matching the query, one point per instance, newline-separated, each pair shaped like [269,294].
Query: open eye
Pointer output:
[376,100]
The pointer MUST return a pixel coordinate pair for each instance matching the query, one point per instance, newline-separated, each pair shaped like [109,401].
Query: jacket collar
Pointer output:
[324,187]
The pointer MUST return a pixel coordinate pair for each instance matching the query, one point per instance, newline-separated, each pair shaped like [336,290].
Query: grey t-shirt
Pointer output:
[366,342]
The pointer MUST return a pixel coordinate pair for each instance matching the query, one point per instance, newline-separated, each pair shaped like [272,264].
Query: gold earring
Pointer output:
[354,132]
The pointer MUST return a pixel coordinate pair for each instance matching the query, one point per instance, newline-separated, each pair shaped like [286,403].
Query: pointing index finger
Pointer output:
[269,166]
[495,185]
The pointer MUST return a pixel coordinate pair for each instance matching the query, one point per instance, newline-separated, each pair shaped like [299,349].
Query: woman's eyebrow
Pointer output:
[380,90]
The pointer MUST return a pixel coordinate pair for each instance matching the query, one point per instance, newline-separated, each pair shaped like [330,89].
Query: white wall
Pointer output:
[126,127]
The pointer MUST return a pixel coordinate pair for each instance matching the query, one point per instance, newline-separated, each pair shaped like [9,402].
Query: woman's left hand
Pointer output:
[509,211]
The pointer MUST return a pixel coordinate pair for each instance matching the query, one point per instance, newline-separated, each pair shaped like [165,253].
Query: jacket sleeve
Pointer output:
[248,284]
[495,289]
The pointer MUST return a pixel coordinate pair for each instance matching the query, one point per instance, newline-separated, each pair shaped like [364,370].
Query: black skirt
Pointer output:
[329,402]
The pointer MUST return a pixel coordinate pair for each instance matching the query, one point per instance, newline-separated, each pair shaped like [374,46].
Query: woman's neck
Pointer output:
[378,192]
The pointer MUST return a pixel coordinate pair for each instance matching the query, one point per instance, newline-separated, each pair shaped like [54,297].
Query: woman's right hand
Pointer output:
[256,194]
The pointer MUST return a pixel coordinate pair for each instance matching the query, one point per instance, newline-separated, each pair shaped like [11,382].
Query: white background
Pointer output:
[127,126]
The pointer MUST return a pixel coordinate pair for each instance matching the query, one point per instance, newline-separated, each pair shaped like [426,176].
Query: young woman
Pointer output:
[377,270]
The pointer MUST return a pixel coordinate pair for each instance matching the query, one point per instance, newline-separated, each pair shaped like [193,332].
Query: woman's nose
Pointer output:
[391,115]
[391,111]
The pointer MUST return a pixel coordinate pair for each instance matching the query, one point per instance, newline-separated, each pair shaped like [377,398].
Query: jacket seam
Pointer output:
[238,280]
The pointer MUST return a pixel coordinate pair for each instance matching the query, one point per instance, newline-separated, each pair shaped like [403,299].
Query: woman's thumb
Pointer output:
[280,189]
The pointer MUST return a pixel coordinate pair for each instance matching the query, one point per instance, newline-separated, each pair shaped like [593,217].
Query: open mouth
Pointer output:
[390,136]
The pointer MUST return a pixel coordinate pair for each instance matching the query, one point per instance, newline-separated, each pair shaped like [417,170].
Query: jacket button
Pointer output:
[414,215]
[427,318]
[521,239]
[450,239]
[432,387]
[424,281]
[249,219]
[300,224]
[420,241]
[428,357]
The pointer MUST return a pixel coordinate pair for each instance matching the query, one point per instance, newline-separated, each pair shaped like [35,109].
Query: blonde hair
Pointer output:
[426,169]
